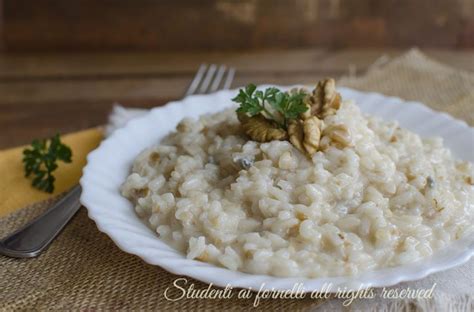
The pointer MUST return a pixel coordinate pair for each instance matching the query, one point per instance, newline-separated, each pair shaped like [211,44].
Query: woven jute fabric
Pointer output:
[83,269]
[415,77]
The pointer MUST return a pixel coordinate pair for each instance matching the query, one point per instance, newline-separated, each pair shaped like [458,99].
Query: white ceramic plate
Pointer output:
[109,165]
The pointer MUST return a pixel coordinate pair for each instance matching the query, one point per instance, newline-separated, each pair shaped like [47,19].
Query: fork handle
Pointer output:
[30,240]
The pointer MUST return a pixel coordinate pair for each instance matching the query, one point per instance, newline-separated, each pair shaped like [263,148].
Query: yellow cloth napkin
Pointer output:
[16,190]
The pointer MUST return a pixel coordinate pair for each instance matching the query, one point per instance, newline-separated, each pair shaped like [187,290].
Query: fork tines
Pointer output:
[209,78]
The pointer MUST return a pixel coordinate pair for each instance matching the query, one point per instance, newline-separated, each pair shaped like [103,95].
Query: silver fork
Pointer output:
[34,237]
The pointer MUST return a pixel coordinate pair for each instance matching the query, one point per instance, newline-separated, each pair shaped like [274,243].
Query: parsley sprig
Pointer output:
[272,103]
[41,160]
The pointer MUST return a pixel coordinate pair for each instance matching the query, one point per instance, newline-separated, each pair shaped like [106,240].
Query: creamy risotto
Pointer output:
[388,199]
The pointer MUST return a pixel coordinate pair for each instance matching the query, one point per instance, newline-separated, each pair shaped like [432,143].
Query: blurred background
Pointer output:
[63,64]
[183,25]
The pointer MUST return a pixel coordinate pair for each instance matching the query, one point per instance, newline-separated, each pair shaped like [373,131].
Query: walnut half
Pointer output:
[305,134]
[260,129]
[324,101]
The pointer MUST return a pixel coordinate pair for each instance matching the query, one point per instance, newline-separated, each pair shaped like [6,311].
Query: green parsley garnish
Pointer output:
[272,103]
[40,161]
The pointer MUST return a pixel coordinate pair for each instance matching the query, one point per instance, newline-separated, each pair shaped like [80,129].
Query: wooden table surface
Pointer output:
[41,94]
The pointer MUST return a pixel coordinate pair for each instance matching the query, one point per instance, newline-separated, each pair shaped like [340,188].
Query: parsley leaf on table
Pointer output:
[41,160]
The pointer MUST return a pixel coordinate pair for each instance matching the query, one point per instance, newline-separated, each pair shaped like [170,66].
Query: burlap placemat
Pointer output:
[83,269]
[415,77]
